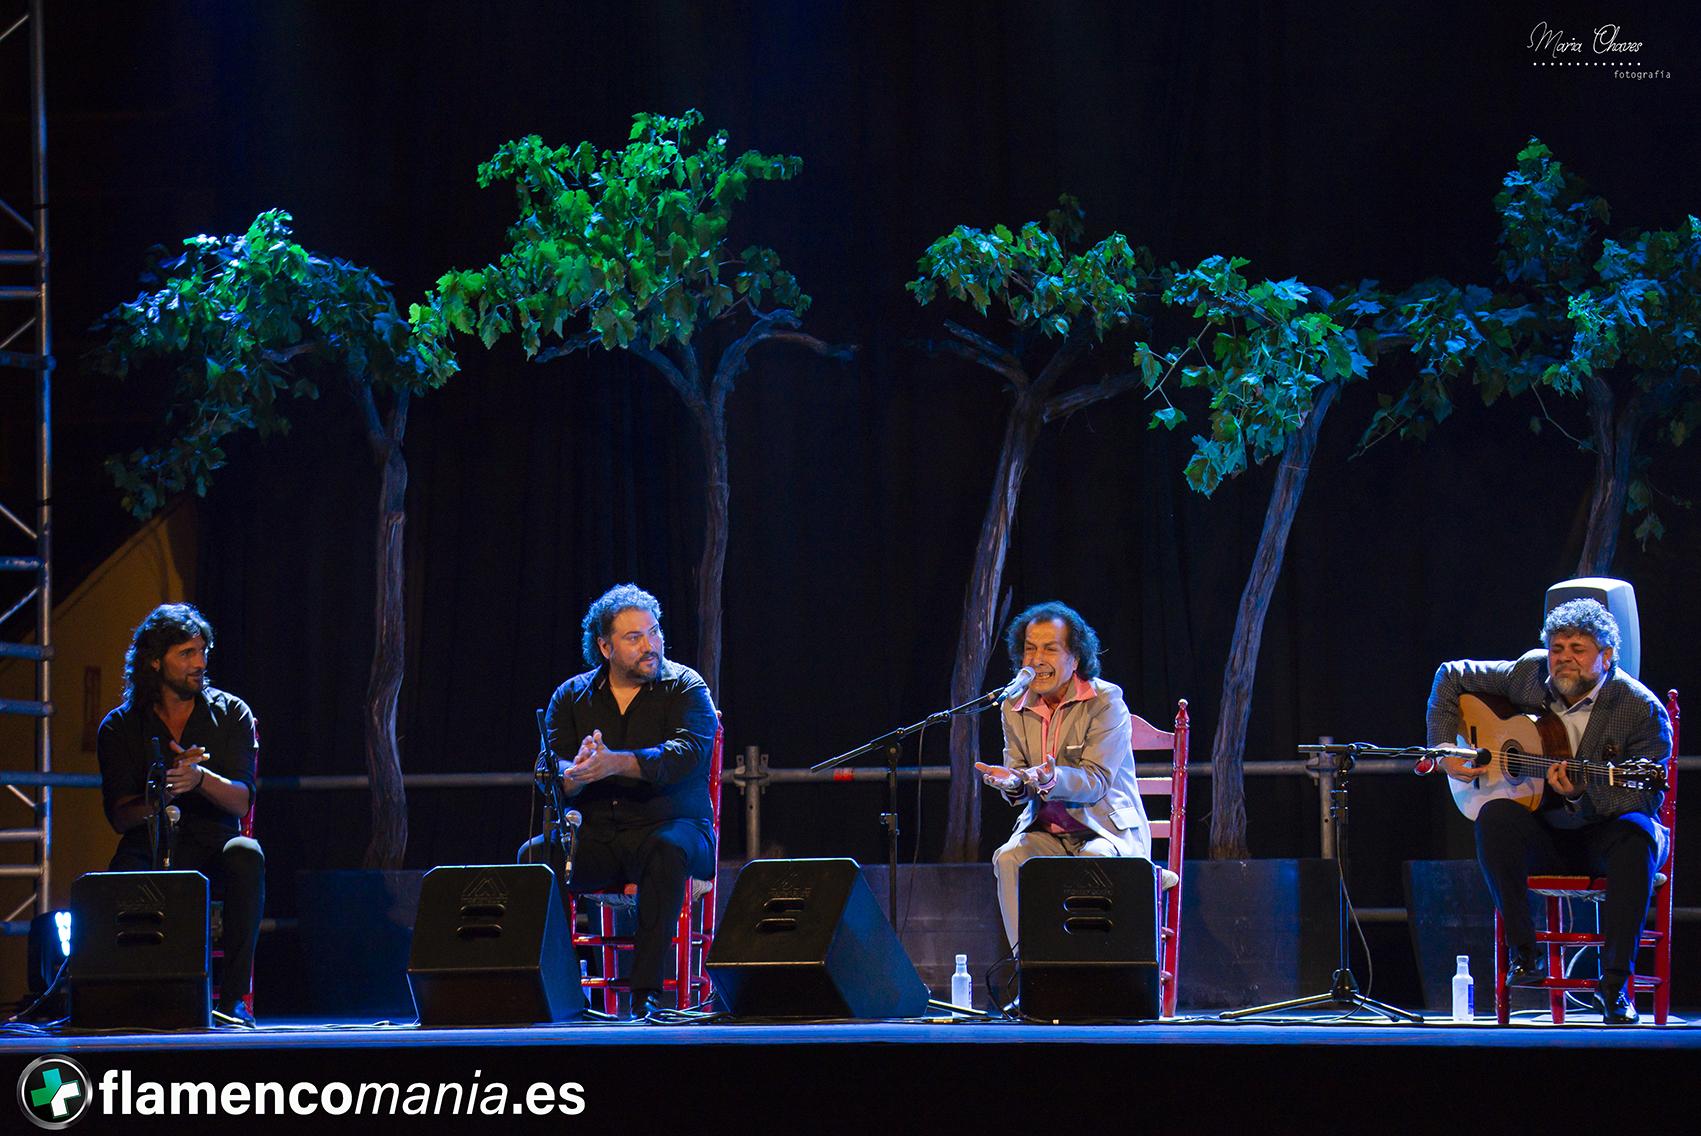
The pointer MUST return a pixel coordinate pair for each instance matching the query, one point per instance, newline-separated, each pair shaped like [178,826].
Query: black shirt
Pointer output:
[669,724]
[220,723]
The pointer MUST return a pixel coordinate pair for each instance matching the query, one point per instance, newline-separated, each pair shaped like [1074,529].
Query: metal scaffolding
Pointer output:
[26,577]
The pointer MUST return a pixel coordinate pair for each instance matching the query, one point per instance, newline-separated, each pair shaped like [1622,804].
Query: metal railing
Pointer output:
[753,775]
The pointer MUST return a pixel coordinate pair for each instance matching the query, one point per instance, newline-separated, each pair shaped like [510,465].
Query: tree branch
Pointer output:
[998,358]
[367,404]
[783,325]
[982,352]
[843,352]
[1061,360]
[568,346]
[689,390]
[1079,398]
[280,357]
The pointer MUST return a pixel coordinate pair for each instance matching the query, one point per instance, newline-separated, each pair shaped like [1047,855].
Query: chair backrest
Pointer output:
[715,788]
[1148,737]
[1668,808]
[247,825]
[1173,830]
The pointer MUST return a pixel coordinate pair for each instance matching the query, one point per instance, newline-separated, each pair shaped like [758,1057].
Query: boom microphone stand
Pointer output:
[891,746]
[1339,760]
[163,824]
[560,823]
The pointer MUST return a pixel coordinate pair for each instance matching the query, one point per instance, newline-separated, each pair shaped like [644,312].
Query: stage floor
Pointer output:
[1579,1031]
[1288,1074]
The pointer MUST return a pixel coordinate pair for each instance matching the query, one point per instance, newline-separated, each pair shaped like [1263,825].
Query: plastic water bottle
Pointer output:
[1464,992]
[962,985]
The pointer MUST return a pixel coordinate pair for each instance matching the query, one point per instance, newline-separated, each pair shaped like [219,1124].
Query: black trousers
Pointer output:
[235,868]
[661,859]
[1513,843]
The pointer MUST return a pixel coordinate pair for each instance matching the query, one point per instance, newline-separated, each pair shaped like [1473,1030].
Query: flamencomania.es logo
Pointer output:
[54,1092]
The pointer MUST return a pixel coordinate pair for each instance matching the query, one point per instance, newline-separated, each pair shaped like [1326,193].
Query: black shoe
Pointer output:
[1618,1008]
[646,1002]
[237,1015]
[1528,967]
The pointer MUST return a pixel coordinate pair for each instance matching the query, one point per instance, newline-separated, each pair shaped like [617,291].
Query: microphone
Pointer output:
[1024,678]
[173,814]
[571,821]
[1429,757]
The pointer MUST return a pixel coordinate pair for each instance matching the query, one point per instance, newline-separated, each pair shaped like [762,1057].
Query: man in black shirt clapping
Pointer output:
[207,740]
[640,729]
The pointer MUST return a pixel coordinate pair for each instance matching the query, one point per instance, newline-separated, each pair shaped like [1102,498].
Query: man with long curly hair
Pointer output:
[207,741]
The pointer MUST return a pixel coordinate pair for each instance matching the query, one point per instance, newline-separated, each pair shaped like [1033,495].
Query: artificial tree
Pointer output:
[1573,313]
[1061,301]
[631,250]
[248,322]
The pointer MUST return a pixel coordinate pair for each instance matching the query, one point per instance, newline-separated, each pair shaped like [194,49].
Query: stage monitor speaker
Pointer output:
[806,939]
[491,946]
[1088,927]
[1618,597]
[140,951]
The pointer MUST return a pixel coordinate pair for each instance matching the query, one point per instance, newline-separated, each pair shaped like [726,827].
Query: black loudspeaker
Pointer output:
[140,951]
[491,947]
[805,939]
[1089,938]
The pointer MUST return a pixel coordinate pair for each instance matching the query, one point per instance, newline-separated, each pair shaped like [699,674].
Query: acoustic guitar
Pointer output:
[1511,750]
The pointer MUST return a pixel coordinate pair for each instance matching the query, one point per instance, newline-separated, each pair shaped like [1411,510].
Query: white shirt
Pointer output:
[1575,718]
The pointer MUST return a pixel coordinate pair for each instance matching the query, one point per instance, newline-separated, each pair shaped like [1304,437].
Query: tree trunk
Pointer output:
[1228,784]
[1613,450]
[711,569]
[383,759]
[978,631]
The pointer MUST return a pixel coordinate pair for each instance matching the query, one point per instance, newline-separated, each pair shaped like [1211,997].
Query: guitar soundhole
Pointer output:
[1508,762]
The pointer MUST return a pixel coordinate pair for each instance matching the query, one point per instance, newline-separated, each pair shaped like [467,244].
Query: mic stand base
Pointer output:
[1344,994]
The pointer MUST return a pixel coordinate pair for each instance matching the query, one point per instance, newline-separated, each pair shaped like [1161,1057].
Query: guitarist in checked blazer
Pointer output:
[1594,828]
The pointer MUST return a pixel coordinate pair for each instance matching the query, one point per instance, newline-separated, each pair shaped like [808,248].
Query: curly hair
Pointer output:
[600,617]
[1582,617]
[164,628]
[1082,640]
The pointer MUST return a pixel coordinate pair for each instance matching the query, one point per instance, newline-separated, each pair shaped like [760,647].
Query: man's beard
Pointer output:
[187,688]
[1572,689]
[636,673]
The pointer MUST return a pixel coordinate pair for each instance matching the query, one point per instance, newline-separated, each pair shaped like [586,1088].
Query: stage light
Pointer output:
[49,946]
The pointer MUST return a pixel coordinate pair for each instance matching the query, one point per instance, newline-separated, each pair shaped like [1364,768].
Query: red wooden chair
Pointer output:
[1656,935]
[1172,830]
[692,936]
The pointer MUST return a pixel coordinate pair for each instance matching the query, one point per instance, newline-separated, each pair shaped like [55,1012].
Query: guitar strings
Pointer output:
[1639,769]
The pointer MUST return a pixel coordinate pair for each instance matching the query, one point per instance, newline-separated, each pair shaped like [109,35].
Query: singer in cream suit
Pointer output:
[1067,763]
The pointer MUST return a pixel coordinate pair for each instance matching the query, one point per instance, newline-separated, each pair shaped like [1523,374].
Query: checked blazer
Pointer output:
[1626,719]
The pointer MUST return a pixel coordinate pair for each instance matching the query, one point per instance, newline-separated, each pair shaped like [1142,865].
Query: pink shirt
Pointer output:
[1053,816]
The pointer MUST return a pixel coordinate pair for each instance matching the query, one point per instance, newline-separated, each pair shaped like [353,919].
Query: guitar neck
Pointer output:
[1534,764]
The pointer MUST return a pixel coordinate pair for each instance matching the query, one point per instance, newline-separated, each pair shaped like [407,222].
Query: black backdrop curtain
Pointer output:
[1328,141]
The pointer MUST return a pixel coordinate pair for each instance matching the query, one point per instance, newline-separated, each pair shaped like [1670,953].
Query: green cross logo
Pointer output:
[54,1092]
